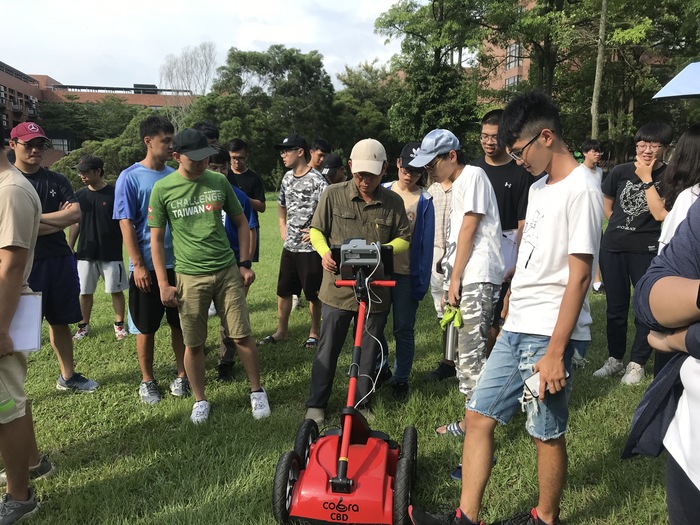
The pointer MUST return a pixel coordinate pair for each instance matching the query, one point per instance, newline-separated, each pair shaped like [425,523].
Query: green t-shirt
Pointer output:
[193,210]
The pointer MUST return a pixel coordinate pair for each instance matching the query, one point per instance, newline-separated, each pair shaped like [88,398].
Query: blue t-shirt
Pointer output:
[131,197]
[231,229]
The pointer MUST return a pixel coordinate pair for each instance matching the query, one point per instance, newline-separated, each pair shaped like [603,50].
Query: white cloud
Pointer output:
[119,43]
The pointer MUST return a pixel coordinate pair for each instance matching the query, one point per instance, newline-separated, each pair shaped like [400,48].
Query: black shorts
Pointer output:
[300,271]
[496,323]
[57,280]
[146,309]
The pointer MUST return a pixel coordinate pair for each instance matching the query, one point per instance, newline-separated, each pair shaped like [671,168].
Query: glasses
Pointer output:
[486,139]
[286,151]
[39,144]
[412,172]
[431,165]
[518,154]
[643,146]
[240,159]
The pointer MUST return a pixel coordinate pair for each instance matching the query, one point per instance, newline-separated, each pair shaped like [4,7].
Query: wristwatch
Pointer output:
[245,264]
[647,185]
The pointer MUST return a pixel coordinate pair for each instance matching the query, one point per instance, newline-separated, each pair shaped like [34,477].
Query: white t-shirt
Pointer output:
[678,213]
[562,219]
[597,173]
[472,193]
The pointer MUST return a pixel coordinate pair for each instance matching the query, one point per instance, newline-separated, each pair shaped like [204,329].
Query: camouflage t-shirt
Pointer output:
[300,195]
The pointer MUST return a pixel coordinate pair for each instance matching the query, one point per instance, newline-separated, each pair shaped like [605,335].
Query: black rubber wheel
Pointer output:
[306,435]
[403,487]
[409,448]
[286,476]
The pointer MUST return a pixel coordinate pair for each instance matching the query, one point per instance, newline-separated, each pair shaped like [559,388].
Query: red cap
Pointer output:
[27,131]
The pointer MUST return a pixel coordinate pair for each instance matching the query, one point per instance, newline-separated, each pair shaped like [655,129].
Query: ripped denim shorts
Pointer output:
[501,387]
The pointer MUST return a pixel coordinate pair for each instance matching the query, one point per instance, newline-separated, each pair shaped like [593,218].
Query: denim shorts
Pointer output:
[501,388]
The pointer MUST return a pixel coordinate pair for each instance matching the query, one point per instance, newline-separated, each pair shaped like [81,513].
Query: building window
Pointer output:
[512,82]
[513,58]
[60,144]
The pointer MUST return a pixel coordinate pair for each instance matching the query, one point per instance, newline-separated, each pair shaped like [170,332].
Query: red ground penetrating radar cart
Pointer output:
[353,474]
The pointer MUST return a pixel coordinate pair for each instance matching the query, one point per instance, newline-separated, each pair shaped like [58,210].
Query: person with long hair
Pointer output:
[681,182]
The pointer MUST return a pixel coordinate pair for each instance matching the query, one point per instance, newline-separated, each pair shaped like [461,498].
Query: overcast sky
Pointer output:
[122,42]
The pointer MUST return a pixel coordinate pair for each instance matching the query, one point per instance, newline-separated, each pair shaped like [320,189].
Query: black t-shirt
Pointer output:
[100,236]
[631,227]
[511,184]
[251,184]
[53,189]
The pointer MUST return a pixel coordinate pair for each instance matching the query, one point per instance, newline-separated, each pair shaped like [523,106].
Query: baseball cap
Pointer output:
[437,142]
[193,144]
[89,162]
[27,131]
[331,163]
[293,141]
[368,156]
[408,153]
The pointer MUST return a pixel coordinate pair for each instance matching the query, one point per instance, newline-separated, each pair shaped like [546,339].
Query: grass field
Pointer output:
[122,462]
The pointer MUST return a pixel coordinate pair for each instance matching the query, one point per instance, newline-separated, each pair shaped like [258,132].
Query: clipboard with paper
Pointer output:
[25,328]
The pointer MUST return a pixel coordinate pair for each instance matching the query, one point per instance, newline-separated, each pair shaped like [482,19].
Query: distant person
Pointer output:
[20,212]
[300,266]
[332,169]
[634,209]
[99,250]
[379,216]
[549,317]
[131,197]
[250,182]
[412,268]
[209,129]
[190,201]
[592,150]
[227,350]
[54,272]
[511,185]
[317,152]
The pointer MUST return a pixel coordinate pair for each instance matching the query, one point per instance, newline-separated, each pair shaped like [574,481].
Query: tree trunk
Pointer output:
[599,67]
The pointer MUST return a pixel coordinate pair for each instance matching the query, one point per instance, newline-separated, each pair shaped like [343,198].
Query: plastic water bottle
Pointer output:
[7,402]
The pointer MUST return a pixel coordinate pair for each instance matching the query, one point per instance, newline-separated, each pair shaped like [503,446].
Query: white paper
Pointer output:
[25,329]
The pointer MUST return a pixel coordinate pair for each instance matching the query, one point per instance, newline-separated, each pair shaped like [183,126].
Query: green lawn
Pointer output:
[122,462]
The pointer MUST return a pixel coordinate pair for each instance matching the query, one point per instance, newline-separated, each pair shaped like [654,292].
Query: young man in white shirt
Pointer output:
[549,317]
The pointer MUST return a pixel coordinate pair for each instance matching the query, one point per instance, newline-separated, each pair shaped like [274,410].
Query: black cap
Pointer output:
[193,144]
[408,153]
[89,162]
[331,163]
[293,141]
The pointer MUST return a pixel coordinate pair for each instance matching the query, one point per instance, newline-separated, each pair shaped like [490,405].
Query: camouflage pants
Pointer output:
[477,305]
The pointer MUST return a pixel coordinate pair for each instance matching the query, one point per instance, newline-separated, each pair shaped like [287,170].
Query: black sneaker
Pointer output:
[443,371]
[400,390]
[421,517]
[12,511]
[225,372]
[528,518]
[384,377]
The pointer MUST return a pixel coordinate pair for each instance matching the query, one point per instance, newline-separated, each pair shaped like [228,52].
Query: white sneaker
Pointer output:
[81,332]
[260,404]
[578,360]
[611,367]
[200,412]
[212,310]
[120,332]
[633,374]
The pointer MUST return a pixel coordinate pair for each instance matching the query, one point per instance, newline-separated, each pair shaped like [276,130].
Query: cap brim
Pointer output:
[421,160]
[288,146]
[32,136]
[367,166]
[199,154]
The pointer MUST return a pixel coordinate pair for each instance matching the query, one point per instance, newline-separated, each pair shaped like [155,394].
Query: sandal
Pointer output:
[453,429]
[267,340]
[311,342]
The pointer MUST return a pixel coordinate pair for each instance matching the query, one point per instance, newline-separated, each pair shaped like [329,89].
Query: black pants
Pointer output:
[334,329]
[620,270]
[682,496]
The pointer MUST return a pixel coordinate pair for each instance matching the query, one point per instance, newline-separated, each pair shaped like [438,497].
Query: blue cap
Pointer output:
[437,142]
